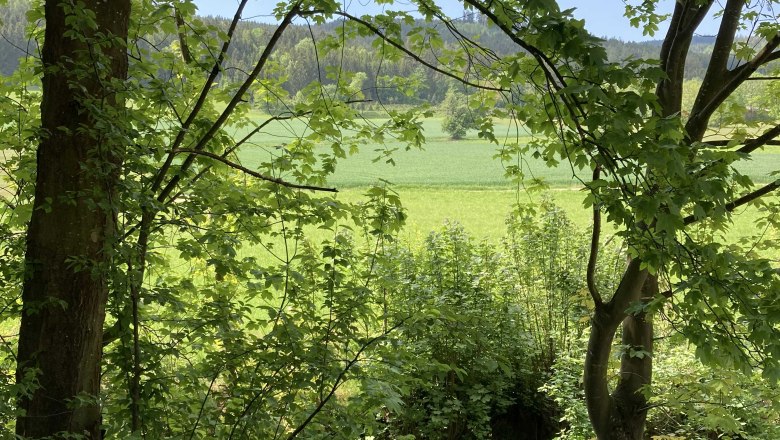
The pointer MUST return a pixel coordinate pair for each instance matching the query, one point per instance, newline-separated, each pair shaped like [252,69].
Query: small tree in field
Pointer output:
[458,116]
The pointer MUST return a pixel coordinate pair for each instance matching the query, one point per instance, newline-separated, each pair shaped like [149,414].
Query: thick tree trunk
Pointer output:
[71,232]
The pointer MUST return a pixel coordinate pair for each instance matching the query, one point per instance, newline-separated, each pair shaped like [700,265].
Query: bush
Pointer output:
[472,358]
[458,116]
[500,316]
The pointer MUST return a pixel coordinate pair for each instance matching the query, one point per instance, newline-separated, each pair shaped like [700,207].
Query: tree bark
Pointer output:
[72,230]
[620,414]
[674,51]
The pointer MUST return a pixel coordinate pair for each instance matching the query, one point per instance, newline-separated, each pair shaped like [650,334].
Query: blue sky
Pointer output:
[603,18]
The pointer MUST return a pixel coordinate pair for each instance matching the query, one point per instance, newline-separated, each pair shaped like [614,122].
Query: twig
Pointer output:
[747,198]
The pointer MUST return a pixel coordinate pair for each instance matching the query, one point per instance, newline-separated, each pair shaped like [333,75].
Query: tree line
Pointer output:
[295,58]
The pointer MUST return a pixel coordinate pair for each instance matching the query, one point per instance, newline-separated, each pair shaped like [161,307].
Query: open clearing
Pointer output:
[462,181]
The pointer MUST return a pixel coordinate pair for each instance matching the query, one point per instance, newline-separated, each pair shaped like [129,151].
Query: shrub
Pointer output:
[458,116]
[472,355]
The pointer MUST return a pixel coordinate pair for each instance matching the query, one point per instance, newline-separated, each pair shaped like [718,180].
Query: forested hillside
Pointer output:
[295,59]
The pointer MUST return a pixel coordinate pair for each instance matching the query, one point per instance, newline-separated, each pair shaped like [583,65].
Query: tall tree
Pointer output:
[669,190]
[72,230]
[114,179]
[662,184]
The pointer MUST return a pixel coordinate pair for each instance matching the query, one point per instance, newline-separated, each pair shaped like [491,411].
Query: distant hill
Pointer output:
[295,53]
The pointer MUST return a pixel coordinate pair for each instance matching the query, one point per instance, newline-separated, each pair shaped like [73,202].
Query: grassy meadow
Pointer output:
[445,180]
[461,180]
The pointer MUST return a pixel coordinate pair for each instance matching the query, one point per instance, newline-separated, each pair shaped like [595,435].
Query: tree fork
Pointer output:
[614,414]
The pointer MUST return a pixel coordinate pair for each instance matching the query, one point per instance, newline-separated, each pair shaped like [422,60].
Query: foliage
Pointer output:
[565,388]
[458,116]
[475,352]
[249,302]
[223,314]
[689,400]
[546,262]
[698,402]
[505,315]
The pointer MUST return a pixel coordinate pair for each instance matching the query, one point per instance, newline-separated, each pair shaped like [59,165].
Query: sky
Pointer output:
[603,18]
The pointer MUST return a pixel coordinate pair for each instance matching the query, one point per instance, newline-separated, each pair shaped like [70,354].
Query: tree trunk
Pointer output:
[72,229]
[636,366]
[621,414]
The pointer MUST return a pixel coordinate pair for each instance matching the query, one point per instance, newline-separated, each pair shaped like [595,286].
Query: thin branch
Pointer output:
[750,145]
[246,170]
[186,55]
[204,93]
[555,80]
[769,55]
[203,403]
[238,144]
[237,98]
[594,247]
[768,138]
[763,78]
[339,380]
[135,376]
[417,58]
[747,198]
[726,142]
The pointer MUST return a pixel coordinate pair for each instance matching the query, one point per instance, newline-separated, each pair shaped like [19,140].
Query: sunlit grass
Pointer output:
[462,180]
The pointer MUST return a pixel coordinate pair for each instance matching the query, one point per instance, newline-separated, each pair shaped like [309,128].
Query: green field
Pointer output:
[459,180]
[442,162]
[446,180]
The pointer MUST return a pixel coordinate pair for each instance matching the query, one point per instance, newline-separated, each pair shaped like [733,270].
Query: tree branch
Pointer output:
[768,138]
[725,143]
[674,50]
[237,98]
[594,247]
[721,51]
[696,125]
[231,164]
[238,144]
[415,57]
[747,198]
[186,55]
[340,379]
[204,93]
[555,80]
[750,145]
[766,55]
[763,78]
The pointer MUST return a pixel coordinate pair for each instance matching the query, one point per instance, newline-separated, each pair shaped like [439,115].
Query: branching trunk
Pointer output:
[72,229]
[686,18]
[619,414]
